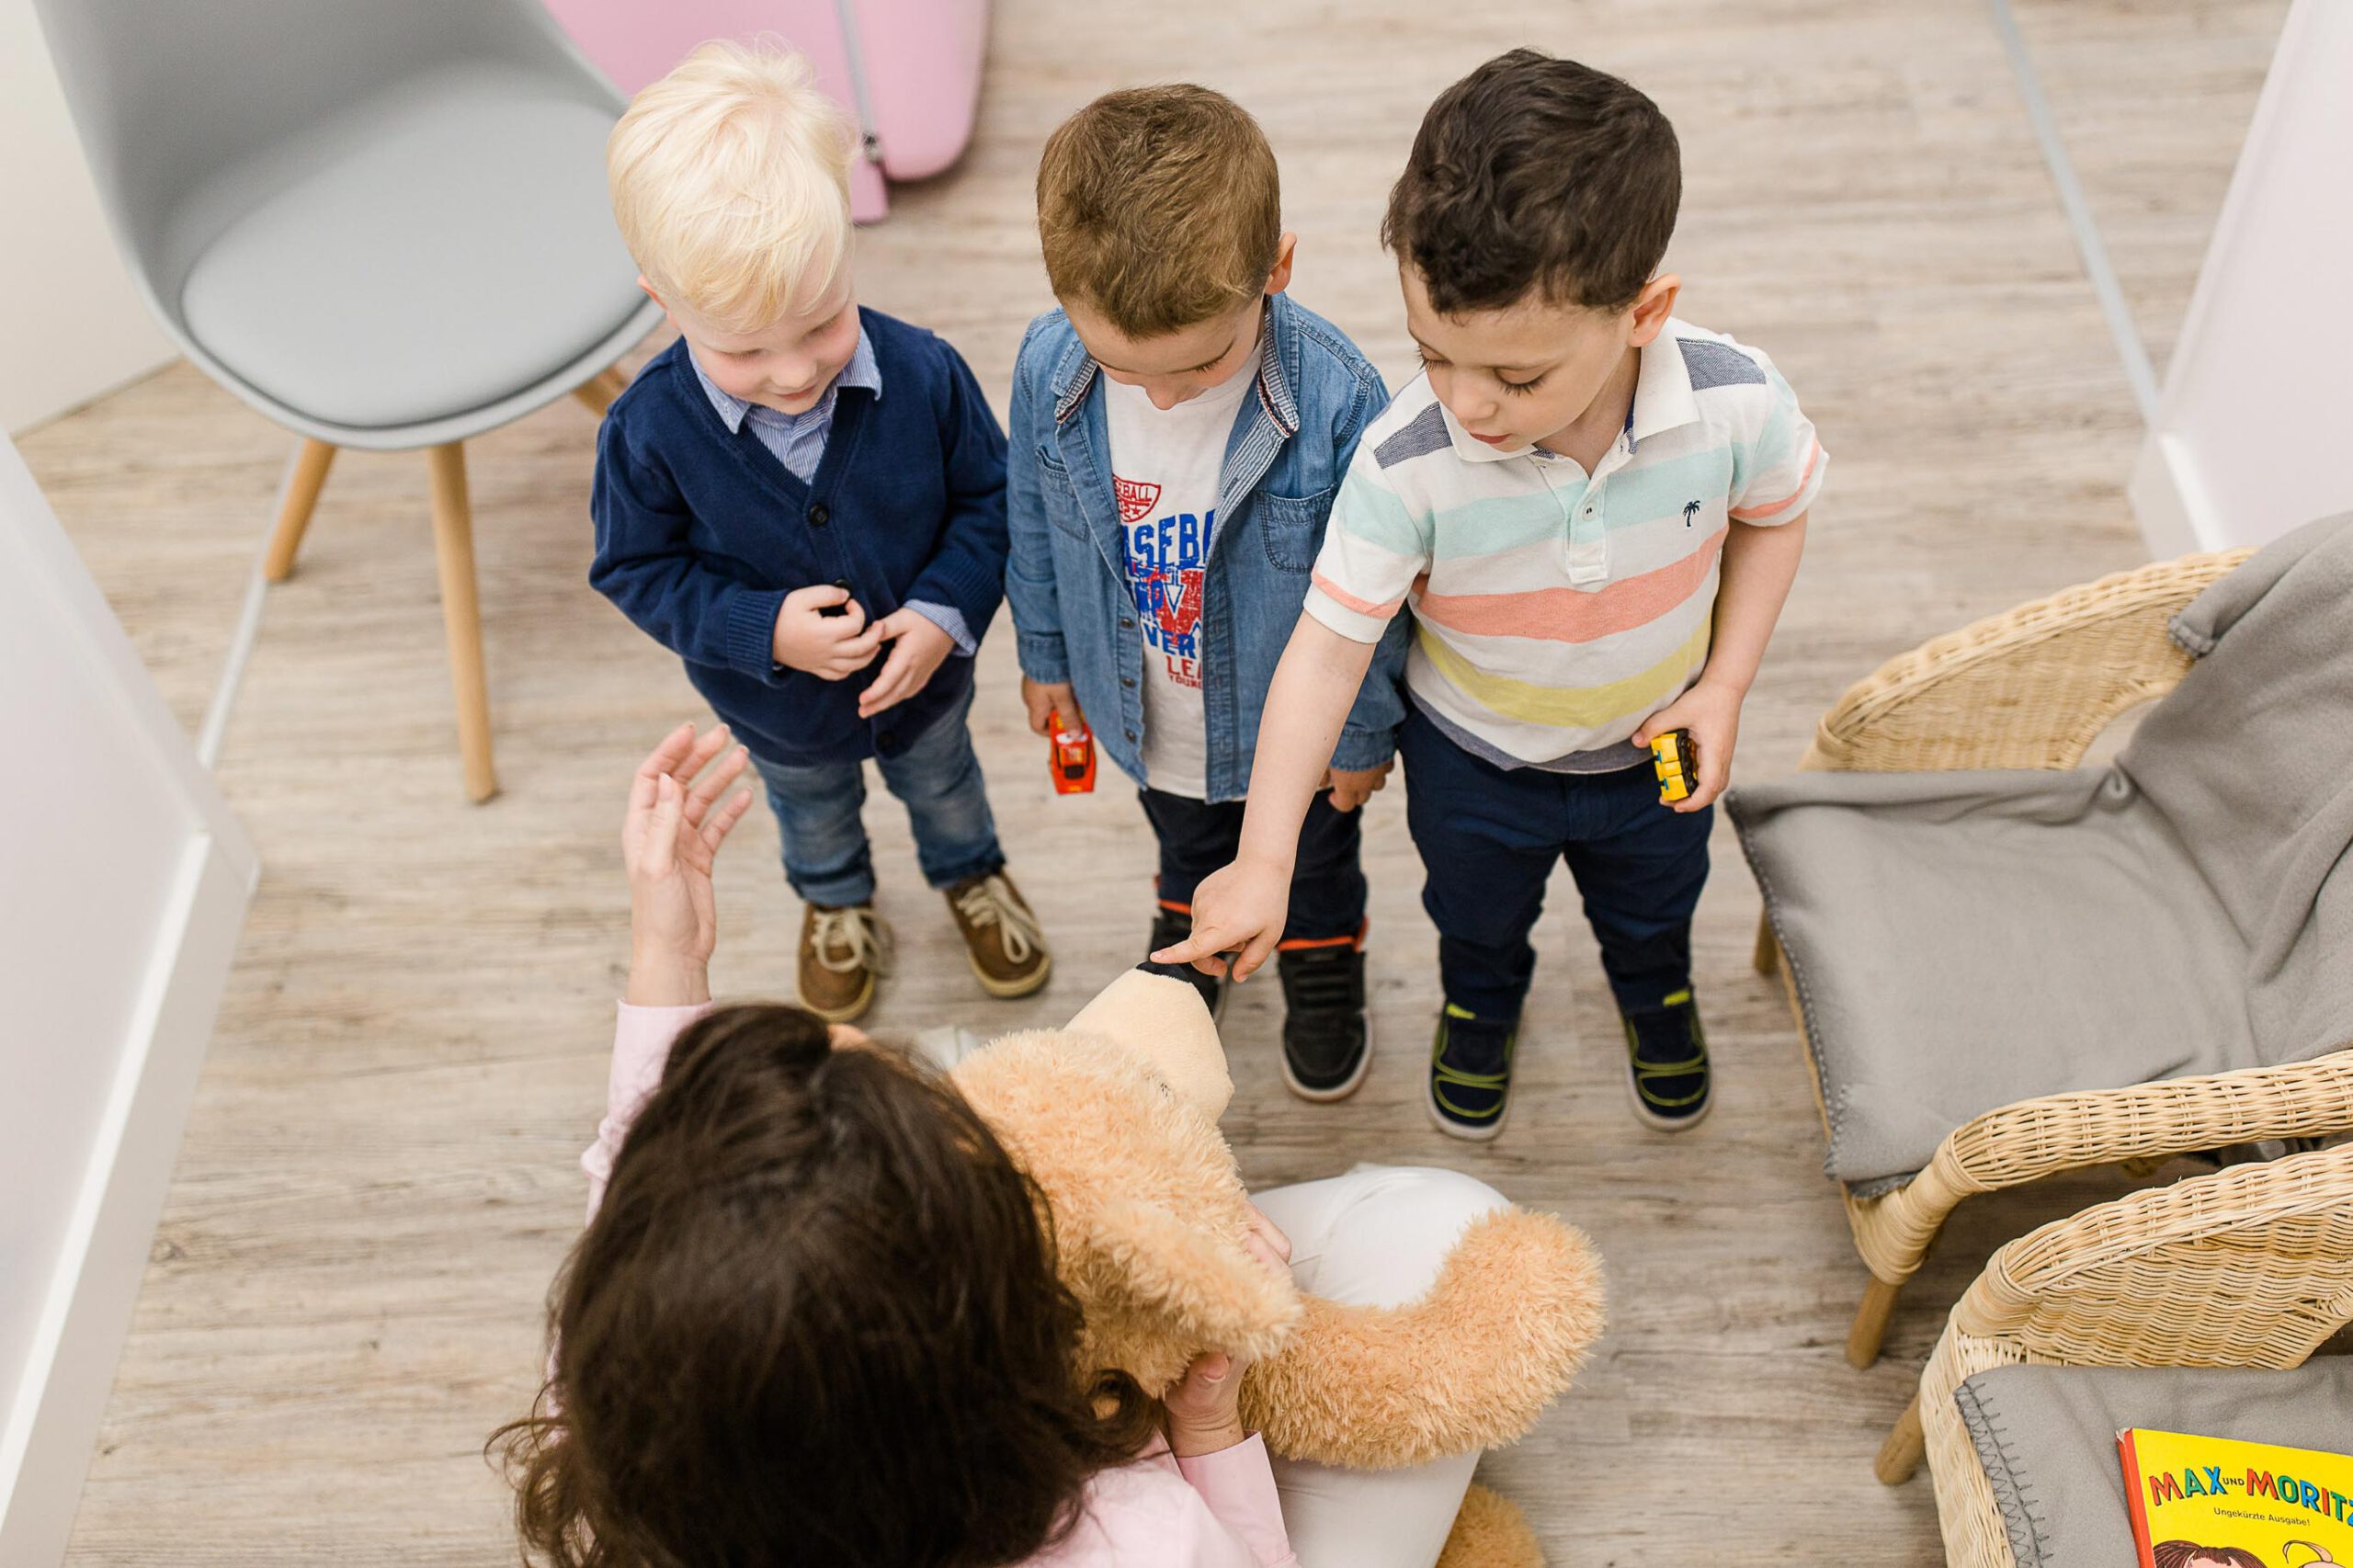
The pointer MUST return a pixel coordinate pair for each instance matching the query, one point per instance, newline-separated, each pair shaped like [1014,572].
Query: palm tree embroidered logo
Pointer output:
[1690,509]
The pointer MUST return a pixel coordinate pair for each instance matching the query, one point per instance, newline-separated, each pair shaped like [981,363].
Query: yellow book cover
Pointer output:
[2218,1502]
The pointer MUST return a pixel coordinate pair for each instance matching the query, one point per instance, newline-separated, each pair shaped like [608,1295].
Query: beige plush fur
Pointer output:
[1115,1116]
[1490,1533]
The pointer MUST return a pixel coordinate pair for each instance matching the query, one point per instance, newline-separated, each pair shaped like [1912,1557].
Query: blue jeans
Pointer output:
[937,778]
[1489,837]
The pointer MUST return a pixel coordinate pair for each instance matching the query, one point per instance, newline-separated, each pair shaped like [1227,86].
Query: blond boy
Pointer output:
[795,484]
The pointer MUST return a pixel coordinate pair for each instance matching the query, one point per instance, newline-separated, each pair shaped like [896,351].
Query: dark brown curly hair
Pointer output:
[1536,176]
[815,1321]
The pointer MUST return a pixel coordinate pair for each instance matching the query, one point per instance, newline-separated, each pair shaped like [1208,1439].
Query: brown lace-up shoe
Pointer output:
[1001,937]
[842,952]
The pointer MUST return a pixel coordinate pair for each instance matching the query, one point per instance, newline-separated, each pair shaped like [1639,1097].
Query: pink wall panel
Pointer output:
[923,64]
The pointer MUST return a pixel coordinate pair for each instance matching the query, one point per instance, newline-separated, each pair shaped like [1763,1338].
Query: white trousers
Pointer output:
[1375,1238]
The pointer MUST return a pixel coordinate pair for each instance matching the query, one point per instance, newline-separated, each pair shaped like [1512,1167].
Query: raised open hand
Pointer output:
[670,836]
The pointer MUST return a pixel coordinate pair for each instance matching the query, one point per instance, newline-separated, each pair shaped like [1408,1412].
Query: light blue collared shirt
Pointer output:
[798,441]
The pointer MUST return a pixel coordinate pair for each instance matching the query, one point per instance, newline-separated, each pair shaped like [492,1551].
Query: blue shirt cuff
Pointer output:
[948,619]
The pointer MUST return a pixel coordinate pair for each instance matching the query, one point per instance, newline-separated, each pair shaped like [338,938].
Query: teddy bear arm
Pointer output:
[1470,1366]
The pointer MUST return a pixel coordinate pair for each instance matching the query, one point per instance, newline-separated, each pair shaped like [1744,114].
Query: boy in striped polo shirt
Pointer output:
[1594,511]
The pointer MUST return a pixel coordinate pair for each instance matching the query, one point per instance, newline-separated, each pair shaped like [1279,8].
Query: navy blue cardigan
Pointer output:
[701,533]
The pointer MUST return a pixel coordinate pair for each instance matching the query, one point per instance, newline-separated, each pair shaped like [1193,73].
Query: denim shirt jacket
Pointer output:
[1066,578]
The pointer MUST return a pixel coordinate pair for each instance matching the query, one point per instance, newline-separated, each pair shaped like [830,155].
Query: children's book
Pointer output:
[2218,1502]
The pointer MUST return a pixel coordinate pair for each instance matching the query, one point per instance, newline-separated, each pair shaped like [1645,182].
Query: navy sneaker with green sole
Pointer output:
[1667,1063]
[1470,1086]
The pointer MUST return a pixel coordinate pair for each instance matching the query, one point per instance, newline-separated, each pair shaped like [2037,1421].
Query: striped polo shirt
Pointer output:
[1556,611]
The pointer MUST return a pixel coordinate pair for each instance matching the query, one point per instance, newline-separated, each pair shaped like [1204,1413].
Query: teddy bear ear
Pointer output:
[1208,1292]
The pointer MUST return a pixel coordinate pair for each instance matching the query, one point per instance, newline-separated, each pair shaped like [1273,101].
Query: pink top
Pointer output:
[1214,1510]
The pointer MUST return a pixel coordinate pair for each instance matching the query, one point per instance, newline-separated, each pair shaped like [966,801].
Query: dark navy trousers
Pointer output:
[1489,837]
[1327,882]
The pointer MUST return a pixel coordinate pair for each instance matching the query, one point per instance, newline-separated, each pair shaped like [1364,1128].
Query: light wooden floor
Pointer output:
[376,1181]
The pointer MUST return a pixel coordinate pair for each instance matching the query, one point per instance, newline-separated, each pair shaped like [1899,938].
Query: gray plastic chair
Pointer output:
[382,224]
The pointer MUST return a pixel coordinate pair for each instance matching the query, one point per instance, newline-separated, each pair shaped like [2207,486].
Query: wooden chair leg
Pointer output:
[1869,1329]
[453,549]
[599,389]
[1768,948]
[303,483]
[1899,1456]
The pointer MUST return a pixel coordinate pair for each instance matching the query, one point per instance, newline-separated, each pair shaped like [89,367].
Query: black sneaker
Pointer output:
[1170,926]
[1326,1045]
[1471,1073]
[1667,1064]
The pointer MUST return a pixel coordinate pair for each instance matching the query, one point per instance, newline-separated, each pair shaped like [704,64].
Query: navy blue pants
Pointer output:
[1326,883]
[1489,837]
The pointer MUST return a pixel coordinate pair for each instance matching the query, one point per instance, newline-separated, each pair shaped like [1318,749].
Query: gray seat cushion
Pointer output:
[456,247]
[2046,1438]
[1963,941]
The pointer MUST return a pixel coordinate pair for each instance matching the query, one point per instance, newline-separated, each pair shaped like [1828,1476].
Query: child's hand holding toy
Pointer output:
[822,630]
[1710,711]
[1052,705]
[918,644]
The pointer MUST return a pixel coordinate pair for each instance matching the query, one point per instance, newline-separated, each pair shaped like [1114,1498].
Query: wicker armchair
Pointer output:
[2034,689]
[2250,1266]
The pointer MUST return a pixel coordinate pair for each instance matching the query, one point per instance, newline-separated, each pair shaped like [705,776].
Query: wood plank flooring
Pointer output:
[377,1178]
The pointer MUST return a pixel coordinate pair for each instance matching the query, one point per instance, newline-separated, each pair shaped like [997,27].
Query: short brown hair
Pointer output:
[1534,174]
[1159,208]
[815,1320]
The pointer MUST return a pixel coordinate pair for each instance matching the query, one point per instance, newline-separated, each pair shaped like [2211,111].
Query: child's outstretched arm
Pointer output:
[1375,548]
[1241,908]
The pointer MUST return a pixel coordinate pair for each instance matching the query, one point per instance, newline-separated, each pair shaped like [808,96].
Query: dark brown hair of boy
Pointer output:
[1533,174]
[814,1321]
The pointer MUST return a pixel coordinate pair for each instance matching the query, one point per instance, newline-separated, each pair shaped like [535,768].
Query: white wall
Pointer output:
[2250,436]
[123,882]
[71,324]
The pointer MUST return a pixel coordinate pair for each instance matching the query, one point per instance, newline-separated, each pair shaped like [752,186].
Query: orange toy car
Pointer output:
[1073,761]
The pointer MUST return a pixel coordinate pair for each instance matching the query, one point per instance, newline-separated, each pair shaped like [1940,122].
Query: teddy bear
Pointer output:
[1114,1119]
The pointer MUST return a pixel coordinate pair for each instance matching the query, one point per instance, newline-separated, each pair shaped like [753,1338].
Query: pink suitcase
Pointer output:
[910,70]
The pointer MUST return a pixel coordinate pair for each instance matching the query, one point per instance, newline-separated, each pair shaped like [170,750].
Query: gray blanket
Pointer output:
[2046,1436]
[1963,941]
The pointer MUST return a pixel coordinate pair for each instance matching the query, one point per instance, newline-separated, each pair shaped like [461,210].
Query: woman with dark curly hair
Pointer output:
[814,1318]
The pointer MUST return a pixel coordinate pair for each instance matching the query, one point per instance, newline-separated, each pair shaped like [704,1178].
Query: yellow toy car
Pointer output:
[1677,761]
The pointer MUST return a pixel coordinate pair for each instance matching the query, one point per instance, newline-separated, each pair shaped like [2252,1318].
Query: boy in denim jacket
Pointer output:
[805,500]
[1180,426]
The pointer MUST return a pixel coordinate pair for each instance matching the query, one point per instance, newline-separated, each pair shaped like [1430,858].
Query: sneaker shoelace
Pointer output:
[1324,983]
[990,901]
[860,937]
[1446,1071]
[1676,1027]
